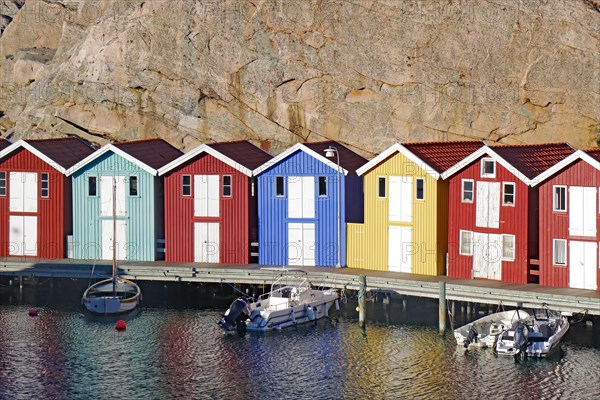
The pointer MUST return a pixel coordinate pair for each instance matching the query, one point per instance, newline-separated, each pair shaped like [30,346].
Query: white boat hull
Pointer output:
[270,319]
[100,299]
[484,332]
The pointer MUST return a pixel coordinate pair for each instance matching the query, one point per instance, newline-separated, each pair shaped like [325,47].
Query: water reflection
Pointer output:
[179,352]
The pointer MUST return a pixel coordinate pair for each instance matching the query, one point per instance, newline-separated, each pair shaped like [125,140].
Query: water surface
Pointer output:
[173,348]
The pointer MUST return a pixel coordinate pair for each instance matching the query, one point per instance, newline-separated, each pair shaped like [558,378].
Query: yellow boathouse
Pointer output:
[405,225]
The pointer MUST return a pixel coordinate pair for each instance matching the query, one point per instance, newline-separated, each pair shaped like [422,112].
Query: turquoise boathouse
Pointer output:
[129,170]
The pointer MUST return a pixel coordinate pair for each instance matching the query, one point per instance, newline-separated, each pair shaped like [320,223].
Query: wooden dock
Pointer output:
[476,291]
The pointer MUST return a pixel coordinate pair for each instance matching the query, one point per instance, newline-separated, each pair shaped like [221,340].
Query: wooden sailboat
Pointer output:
[114,295]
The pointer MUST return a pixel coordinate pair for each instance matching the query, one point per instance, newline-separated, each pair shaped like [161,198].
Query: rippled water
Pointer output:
[174,349]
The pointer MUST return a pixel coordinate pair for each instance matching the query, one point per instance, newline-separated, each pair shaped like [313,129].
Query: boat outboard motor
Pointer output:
[520,339]
[471,337]
[234,317]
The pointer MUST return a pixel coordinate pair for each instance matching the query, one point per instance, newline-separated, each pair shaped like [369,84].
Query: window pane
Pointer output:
[322,186]
[467,192]
[560,252]
[508,247]
[279,189]
[92,186]
[465,243]
[133,186]
[488,167]
[509,193]
[2,183]
[420,189]
[226,185]
[186,185]
[560,198]
[381,187]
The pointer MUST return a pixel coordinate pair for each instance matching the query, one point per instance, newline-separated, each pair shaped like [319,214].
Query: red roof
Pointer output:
[153,152]
[595,153]
[243,152]
[349,160]
[532,160]
[4,143]
[66,152]
[443,155]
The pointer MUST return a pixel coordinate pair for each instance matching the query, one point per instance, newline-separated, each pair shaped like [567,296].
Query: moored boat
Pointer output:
[538,336]
[484,332]
[291,301]
[114,295]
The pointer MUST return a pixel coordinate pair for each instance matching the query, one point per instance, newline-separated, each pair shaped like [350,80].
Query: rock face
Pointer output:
[367,73]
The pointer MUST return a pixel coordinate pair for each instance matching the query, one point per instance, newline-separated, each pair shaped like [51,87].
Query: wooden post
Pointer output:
[442,308]
[362,300]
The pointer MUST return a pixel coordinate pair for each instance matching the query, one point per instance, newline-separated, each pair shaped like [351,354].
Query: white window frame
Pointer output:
[384,187]
[3,183]
[282,186]
[462,191]
[137,186]
[460,243]
[230,186]
[47,188]
[514,193]
[514,250]
[417,188]
[319,186]
[96,194]
[483,162]
[554,205]
[554,252]
[189,185]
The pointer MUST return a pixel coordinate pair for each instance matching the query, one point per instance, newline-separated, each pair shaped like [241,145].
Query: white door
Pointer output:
[400,199]
[301,244]
[583,263]
[23,191]
[301,196]
[206,195]
[23,235]
[106,196]
[487,205]
[400,249]
[487,256]
[206,242]
[108,242]
[582,211]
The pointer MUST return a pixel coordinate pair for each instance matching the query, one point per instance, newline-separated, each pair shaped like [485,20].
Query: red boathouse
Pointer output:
[493,211]
[569,221]
[211,203]
[35,196]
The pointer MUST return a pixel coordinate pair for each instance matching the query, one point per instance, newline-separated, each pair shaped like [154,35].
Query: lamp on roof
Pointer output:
[329,153]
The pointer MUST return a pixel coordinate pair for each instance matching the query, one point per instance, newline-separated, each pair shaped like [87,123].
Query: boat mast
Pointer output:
[114,243]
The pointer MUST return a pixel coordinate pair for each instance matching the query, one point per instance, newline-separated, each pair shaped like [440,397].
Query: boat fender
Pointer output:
[337,305]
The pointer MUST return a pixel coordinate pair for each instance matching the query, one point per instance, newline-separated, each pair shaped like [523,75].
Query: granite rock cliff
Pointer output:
[367,73]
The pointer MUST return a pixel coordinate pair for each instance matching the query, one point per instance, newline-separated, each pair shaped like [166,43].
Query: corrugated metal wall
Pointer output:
[356,251]
[273,212]
[50,216]
[87,225]
[428,245]
[234,247]
[555,225]
[513,221]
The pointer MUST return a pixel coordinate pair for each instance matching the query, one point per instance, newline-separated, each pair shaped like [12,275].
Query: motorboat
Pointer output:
[291,301]
[538,336]
[484,332]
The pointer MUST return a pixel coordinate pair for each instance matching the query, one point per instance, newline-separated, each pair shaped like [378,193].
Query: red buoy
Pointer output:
[120,325]
[33,312]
